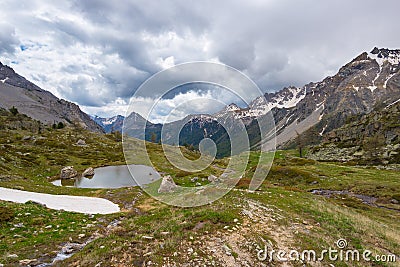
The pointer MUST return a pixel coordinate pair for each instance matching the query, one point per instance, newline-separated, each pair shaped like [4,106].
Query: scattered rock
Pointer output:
[70,248]
[394,201]
[88,172]
[81,142]
[147,237]
[212,178]
[68,173]
[26,138]
[27,262]
[194,179]
[167,185]
[198,184]
[12,256]
[227,250]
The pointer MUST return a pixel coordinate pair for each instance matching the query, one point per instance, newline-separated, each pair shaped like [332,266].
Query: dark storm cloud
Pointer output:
[8,40]
[96,51]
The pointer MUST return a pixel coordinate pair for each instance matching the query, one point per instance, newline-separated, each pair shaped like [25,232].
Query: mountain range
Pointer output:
[308,112]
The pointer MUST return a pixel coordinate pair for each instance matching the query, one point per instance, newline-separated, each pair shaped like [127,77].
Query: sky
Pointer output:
[96,53]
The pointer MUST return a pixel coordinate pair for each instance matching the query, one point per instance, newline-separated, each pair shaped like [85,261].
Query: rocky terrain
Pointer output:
[373,138]
[39,104]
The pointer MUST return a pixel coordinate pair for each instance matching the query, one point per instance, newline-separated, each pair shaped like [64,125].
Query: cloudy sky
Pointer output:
[96,52]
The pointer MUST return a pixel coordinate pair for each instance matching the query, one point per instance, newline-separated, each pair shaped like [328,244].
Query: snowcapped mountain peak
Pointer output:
[385,55]
[110,124]
[232,107]
[286,98]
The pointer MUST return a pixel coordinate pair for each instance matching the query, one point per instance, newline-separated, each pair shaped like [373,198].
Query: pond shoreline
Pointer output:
[112,177]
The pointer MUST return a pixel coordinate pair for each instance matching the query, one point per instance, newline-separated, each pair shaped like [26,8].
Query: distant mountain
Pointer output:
[109,125]
[40,104]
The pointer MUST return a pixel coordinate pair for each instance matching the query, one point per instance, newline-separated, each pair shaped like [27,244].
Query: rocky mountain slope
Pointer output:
[39,104]
[369,79]
[371,138]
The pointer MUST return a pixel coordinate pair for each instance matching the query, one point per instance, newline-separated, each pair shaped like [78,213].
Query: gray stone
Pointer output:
[26,138]
[68,173]
[227,250]
[88,172]
[81,142]
[167,185]
[212,178]
[12,256]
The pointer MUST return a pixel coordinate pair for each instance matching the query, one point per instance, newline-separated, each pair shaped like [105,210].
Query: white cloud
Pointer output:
[183,104]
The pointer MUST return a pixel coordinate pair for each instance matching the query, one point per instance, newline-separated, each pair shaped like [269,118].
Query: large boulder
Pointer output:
[88,172]
[68,173]
[167,185]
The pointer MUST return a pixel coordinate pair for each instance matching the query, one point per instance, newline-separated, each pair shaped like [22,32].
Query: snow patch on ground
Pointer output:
[398,100]
[88,205]
[388,78]
[323,130]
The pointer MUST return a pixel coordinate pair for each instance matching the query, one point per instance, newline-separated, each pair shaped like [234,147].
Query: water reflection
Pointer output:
[113,177]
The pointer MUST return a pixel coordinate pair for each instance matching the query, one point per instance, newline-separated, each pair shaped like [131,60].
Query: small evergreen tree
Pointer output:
[14,110]
[60,125]
[153,138]
[300,144]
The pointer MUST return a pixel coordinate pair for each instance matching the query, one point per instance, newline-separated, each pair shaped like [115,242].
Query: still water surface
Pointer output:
[114,177]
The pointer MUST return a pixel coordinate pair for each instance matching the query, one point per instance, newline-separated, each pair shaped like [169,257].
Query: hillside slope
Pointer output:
[40,104]
[372,138]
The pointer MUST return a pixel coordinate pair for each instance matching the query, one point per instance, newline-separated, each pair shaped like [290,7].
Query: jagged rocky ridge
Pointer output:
[40,104]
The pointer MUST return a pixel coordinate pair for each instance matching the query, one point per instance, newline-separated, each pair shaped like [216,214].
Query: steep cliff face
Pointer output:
[40,104]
